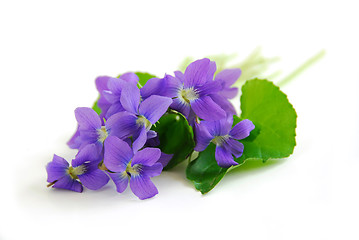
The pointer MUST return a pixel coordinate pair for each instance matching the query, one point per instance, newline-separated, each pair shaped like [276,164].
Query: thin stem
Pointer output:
[52,183]
[301,69]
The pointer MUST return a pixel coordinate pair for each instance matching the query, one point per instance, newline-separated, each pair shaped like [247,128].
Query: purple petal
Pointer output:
[117,154]
[88,137]
[152,87]
[229,93]
[191,118]
[122,125]
[224,104]
[147,156]
[102,103]
[130,77]
[224,157]
[220,127]
[141,138]
[143,187]
[115,86]
[167,86]
[152,142]
[113,109]
[98,144]
[228,76]
[210,87]
[88,153]
[152,171]
[180,107]
[197,73]
[87,119]
[103,116]
[130,98]
[165,159]
[56,169]
[101,83]
[75,141]
[128,141]
[202,136]
[171,86]
[235,147]
[120,180]
[154,107]
[207,109]
[94,178]
[110,96]
[151,134]
[180,76]
[242,129]
[212,69]
[68,183]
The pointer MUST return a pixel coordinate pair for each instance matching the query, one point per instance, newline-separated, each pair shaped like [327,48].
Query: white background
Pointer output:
[50,54]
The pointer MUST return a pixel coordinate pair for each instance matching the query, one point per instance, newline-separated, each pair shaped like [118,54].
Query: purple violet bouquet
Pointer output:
[141,125]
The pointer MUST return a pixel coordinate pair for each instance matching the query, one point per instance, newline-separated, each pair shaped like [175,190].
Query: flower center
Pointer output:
[187,95]
[142,121]
[74,172]
[102,134]
[133,170]
[219,140]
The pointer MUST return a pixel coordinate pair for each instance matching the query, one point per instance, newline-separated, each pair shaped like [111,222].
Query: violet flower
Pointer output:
[227,78]
[136,168]
[165,159]
[224,137]
[139,117]
[91,130]
[75,141]
[110,93]
[192,92]
[159,86]
[101,85]
[84,168]
[155,142]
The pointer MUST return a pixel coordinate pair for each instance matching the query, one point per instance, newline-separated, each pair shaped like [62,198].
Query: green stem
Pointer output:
[190,158]
[301,69]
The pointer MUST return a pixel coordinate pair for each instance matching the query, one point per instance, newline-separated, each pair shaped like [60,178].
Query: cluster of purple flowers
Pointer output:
[116,143]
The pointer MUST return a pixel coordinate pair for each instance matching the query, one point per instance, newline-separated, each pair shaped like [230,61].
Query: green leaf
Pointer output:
[204,171]
[144,77]
[274,117]
[96,108]
[273,137]
[176,137]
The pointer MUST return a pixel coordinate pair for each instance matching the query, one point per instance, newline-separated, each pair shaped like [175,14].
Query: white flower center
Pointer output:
[74,172]
[187,95]
[102,134]
[142,121]
[219,140]
[133,170]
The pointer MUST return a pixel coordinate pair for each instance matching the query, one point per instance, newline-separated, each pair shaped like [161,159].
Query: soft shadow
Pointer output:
[178,173]
[256,165]
[249,168]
